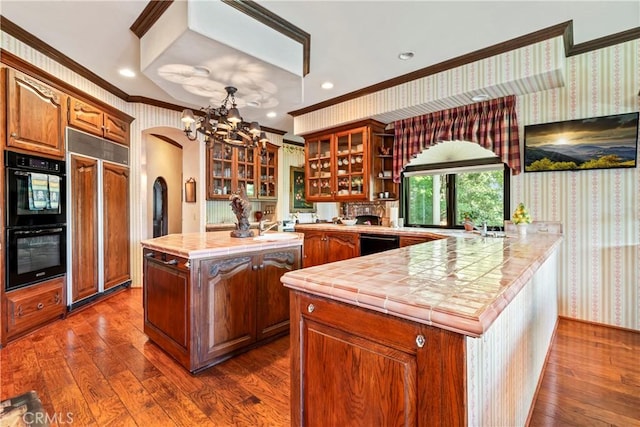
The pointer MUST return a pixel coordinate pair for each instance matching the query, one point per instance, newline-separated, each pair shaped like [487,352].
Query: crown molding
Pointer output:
[151,13]
[564,29]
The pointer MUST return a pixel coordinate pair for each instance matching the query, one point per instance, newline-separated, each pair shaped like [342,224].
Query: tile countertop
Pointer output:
[456,283]
[209,244]
[437,233]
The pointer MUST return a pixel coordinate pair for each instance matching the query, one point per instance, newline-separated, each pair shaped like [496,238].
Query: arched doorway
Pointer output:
[160,221]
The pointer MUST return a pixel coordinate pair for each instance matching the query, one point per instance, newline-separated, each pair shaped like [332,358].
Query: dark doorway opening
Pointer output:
[160,222]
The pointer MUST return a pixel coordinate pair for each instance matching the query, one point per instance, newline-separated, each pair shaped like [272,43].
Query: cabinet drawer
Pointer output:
[33,306]
[171,261]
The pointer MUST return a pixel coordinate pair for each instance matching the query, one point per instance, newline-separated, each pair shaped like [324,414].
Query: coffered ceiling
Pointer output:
[354,44]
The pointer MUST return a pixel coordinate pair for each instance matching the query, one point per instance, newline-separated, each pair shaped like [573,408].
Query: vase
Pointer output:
[522,229]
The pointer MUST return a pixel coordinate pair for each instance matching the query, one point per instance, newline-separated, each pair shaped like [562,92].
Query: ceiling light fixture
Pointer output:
[127,72]
[480,97]
[224,124]
[272,114]
[405,55]
[327,85]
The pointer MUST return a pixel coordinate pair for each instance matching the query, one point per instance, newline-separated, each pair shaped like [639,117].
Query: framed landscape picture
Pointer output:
[297,198]
[593,143]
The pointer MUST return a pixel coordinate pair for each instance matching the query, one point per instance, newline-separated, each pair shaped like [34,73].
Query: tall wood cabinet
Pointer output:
[99,206]
[115,183]
[382,167]
[35,115]
[338,163]
[83,175]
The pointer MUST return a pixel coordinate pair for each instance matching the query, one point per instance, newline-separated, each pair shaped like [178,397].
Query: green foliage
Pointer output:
[607,161]
[546,164]
[479,194]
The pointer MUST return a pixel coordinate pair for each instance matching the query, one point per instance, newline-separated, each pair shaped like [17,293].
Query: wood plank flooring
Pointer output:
[98,368]
[592,378]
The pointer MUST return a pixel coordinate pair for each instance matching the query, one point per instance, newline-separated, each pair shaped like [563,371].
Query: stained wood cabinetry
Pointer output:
[86,201]
[229,168]
[83,174]
[31,307]
[89,118]
[220,306]
[413,240]
[35,115]
[115,183]
[321,247]
[408,374]
[382,170]
[338,163]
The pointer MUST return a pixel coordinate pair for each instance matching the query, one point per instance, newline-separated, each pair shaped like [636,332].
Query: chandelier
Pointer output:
[224,124]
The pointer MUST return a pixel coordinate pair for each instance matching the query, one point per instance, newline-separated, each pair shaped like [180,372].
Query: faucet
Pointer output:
[263,228]
[483,231]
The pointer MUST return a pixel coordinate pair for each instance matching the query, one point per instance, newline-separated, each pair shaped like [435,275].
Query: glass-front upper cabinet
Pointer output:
[268,167]
[338,163]
[319,165]
[246,170]
[351,163]
[220,170]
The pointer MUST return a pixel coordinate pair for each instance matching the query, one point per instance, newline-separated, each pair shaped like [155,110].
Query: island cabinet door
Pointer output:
[226,306]
[356,367]
[167,317]
[272,308]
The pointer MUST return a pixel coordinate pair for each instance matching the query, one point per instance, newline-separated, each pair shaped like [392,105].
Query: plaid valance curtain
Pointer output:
[492,124]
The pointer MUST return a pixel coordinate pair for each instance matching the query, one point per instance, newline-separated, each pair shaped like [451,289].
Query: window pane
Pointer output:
[427,200]
[481,192]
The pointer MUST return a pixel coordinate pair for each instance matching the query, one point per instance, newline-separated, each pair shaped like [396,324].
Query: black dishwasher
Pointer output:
[374,243]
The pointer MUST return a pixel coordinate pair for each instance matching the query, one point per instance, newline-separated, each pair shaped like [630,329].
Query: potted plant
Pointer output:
[468,219]
[521,218]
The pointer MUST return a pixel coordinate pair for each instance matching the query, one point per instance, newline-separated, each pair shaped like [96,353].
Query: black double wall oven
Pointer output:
[36,240]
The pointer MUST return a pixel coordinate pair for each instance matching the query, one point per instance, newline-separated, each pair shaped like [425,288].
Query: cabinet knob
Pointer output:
[57,298]
[40,306]
[420,341]
[310,308]
[254,267]
[261,266]
[14,135]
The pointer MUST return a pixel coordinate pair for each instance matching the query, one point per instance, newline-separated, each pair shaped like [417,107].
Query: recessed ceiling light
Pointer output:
[327,85]
[127,72]
[405,55]
[480,97]
[271,114]
[200,71]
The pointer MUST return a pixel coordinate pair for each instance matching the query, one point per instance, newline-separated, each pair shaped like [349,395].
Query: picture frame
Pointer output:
[297,196]
[603,142]
[190,190]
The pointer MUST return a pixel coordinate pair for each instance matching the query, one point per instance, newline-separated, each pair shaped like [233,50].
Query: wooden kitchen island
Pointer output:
[209,296]
[452,332]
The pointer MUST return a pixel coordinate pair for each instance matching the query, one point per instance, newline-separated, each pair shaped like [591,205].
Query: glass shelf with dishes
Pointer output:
[268,167]
[340,158]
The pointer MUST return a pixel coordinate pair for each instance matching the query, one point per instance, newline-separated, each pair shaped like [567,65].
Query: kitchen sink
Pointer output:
[271,237]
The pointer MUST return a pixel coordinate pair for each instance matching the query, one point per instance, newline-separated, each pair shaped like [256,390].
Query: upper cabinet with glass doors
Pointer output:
[229,168]
[338,163]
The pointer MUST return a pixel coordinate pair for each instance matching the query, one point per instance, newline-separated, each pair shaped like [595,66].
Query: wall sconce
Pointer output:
[190,190]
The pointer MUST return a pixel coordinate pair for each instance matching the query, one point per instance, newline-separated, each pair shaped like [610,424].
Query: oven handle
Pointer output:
[44,230]
[21,173]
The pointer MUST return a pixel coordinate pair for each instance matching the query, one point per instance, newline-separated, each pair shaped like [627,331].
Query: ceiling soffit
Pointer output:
[196,49]
[529,69]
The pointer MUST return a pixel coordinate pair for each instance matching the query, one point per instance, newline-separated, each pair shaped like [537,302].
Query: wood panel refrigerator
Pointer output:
[99,249]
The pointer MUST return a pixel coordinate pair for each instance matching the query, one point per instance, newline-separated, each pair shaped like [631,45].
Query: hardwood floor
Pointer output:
[592,378]
[98,367]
